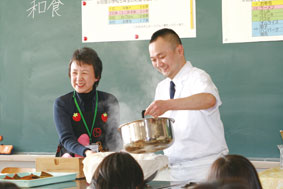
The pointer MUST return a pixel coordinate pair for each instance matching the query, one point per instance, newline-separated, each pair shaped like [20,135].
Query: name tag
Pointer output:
[93,147]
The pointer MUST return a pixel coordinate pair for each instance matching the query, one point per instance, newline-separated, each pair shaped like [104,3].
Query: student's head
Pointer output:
[85,69]
[237,167]
[118,170]
[223,184]
[166,52]
[8,185]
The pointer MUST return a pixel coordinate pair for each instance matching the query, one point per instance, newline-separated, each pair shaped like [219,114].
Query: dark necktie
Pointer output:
[172,89]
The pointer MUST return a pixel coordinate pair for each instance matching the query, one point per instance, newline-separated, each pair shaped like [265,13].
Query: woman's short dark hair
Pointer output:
[235,166]
[118,170]
[88,56]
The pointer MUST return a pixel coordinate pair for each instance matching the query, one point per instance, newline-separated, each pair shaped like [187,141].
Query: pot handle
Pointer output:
[143,116]
[143,111]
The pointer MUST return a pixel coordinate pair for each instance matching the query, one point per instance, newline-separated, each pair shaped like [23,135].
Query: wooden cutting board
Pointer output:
[58,164]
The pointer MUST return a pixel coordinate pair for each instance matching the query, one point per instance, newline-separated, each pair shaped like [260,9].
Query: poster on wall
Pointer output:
[124,20]
[252,20]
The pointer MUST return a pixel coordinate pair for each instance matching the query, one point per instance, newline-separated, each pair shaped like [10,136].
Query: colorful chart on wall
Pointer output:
[252,20]
[124,20]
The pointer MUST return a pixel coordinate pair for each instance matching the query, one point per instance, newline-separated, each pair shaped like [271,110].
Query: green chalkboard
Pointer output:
[34,56]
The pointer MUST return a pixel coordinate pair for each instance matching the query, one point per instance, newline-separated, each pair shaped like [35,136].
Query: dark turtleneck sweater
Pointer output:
[70,127]
[87,100]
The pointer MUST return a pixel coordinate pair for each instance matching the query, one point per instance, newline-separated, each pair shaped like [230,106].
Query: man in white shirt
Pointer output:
[190,97]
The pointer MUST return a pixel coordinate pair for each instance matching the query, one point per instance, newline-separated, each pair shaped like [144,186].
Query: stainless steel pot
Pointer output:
[147,135]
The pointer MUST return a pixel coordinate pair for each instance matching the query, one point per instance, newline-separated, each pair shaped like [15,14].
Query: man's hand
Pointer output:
[157,108]
[199,101]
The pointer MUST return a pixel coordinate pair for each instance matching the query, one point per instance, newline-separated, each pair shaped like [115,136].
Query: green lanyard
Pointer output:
[94,117]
